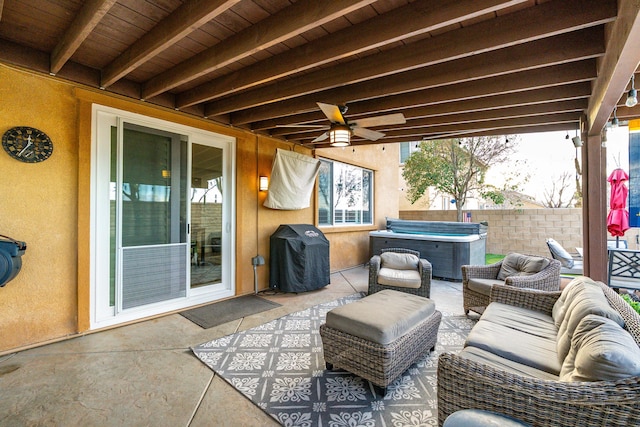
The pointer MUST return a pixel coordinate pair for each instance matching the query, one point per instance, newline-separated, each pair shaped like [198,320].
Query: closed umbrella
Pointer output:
[618,218]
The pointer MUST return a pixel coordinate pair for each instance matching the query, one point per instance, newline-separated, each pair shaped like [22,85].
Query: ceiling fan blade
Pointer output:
[369,134]
[389,119]
[321,137]
[332,112]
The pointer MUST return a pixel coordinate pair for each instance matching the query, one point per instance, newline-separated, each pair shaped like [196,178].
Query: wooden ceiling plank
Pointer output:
[411,20]
[570,106]
[187,18]
[483,66]
[289,22]
[532,97]
[88,17]
[617,66]
[509,30]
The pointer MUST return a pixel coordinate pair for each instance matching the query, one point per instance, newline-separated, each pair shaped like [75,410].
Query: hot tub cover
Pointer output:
[299,258]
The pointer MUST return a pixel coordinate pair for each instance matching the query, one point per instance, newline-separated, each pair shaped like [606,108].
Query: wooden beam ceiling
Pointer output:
[478,65]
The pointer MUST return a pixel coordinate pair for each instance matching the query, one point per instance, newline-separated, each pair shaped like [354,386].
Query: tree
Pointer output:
[556,196]
[455,166]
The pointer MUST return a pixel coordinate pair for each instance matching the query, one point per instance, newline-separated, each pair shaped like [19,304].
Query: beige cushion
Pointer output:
[587,300]
[503,364]
[483,286]
[381,317]
[399,261]
[569,291]
[521,319]
[399,278]
[601,351]
[517,346]
[516,264]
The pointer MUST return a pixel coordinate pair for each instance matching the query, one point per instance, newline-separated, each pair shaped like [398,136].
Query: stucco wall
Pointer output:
[39,206]
[48,205]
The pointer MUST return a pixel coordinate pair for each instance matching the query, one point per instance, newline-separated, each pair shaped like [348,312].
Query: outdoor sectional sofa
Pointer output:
[549,358]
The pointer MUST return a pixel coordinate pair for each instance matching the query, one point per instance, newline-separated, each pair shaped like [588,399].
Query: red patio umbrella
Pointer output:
[618,218]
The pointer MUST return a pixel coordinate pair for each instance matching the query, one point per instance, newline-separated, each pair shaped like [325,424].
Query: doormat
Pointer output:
[218,313]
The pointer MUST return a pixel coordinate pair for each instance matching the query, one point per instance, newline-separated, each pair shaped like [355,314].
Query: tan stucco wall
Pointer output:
[39,206]
[47,204]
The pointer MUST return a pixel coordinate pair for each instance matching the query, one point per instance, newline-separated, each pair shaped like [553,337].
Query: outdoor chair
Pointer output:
[522,271]
[569,263]
[401,270]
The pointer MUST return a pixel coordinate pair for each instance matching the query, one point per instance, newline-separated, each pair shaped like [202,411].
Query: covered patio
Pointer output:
[454,68]
[249,75]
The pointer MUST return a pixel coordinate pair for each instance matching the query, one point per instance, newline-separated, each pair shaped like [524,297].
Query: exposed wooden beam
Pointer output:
[1,8]
[188,17]
[411,20]
[289,22]
[560,107]
[378,106]
[490,132]
[512,29]
[88,17]
[413,80]
[501,123]
[617,66]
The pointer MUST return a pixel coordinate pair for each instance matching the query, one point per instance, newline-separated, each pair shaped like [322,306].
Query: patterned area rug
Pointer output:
[279,366]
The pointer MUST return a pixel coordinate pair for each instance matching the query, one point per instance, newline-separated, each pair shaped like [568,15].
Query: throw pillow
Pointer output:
[515,264]
[601,350]
[559,253]
[399,261]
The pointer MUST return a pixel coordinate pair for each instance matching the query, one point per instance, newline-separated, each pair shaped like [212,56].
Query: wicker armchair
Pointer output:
[476,293]
[464,383]
[424,269]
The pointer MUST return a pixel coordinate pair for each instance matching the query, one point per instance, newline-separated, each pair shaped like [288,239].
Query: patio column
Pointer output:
[594,207]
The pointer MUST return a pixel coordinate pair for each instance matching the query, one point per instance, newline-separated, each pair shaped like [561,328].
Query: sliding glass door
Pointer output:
[162,218]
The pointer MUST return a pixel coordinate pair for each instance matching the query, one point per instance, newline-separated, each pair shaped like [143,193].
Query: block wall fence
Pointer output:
[523,231]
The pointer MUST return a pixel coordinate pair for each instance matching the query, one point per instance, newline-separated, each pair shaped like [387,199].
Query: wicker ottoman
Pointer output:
[380,336]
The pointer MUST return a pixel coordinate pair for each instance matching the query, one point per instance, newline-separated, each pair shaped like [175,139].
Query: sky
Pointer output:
[547,155]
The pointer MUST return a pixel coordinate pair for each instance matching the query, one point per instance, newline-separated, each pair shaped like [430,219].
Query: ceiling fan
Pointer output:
[340,130]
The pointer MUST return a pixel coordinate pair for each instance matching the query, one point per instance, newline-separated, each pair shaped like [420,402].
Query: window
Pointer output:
[345,194]
[407,149]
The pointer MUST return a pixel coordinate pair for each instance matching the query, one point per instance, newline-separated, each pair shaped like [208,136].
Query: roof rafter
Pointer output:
[84,23]
[188,17]
[541,53]
[505,31]
[289,22]
[411,20]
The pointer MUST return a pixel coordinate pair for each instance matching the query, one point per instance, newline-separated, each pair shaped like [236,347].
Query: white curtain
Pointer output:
[292,179]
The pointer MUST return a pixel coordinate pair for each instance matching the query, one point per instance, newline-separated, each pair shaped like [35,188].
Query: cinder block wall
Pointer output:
[523,231]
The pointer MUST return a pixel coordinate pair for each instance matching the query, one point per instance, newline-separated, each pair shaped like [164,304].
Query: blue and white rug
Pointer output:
[279,366]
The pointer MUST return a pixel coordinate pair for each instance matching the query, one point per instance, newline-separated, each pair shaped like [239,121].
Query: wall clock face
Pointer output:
[27,144]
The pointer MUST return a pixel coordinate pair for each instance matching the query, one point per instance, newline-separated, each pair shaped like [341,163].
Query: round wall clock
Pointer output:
[27,144]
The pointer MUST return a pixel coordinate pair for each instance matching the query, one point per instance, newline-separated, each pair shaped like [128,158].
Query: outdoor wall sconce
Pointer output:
[339,135]
[264,183]
[632,96]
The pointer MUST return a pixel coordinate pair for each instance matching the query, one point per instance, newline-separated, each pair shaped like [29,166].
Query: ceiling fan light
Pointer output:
[340,136]
[632,98]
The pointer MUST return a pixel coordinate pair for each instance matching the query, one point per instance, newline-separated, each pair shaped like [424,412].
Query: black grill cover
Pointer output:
[299,258]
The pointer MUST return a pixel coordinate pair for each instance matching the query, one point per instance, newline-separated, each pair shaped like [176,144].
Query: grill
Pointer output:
[299,258]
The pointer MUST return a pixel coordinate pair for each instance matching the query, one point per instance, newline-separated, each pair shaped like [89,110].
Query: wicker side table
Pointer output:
[380,336]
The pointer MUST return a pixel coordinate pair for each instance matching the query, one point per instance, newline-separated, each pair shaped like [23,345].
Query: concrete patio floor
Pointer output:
[146,375]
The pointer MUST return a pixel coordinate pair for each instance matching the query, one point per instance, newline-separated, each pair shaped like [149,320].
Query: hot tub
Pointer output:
[446,245]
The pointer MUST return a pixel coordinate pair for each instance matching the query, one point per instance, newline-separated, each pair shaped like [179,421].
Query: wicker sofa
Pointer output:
[597,382]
